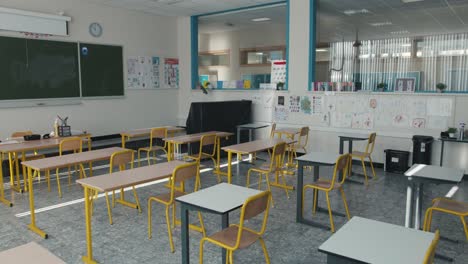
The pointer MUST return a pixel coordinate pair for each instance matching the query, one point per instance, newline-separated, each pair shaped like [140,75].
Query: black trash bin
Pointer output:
[396,161]
[422,149]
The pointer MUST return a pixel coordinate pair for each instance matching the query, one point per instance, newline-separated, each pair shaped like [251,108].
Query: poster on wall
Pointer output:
[278,71]
[306,105]
[143,72]
[155,72]
[317,104]
[281,113]
[171,72]
[405,84]
[294,104]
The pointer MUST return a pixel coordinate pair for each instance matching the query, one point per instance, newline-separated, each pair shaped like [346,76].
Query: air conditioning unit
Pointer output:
[33,22]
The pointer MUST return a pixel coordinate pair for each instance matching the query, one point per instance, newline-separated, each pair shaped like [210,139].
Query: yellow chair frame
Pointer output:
[180,175]
[302,141]
[75,145]
[159,132]
[461,214]
[363,155]
[253,206]
[275,166]
[206,140]
[329,185]
[430,254]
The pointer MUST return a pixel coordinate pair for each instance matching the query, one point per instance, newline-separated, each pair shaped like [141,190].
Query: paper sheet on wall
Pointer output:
[362,121]
[342,120]
[278,71]
[171,72]
[437,123]
[439,107]
[294,104]
[306,105]
[281,113]
[317,105]
[143,72]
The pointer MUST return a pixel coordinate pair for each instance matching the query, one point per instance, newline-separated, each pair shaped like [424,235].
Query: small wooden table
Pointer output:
[28,254]
[145,132]
[251,148]
[417,175]
[48,164]
[116,181]
[219,199]
[315,159]
[22,147]
[364,240]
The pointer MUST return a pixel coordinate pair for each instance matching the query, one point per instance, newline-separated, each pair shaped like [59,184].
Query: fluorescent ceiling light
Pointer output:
[401,32]
[406,45]
[351,12]
[411,1]
[321,50]
[261,19]
[259,53]
[380,24]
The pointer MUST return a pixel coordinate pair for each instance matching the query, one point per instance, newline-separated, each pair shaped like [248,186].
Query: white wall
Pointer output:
[139,34]
[321,139]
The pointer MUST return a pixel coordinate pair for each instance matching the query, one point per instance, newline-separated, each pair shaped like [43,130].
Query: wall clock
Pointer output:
[95,29]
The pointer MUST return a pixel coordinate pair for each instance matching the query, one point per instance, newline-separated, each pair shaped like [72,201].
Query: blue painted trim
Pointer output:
[194,50]
[312,41]
[194,40]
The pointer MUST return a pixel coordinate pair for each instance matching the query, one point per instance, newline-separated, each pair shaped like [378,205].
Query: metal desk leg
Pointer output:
[299,193]
[409,205]
[341,146]
[250,140]
[89,242]
[238,135]
[123,141]
[442,152]
[350,146]
[2,191]
[185,234]
[418,206]
[224,224]
[33,226]
[229,166]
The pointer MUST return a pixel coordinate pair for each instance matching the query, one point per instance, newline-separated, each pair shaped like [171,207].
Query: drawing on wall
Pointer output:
[405,84]
[294,104]
[281,100]
[331,104]
[171,72]
[306,105]
[342,120]
[373,103]
[400,120]
[317,104]
[418,123]
[362,121]
[281,113]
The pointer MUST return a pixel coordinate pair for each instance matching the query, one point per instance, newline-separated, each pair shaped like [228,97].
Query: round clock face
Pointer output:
[95,29]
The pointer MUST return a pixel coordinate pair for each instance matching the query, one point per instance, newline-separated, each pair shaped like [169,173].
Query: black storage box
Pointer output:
[422,149]
[396,161]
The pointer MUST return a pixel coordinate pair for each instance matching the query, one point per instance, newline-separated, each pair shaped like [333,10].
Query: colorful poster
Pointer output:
[306,105]
[171,72]
[278,71]
[143,72]
[294,104]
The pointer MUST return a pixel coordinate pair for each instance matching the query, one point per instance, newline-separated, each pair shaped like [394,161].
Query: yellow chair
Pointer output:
[430,254]
[120,159]
[363,155]
[206,140]
[160,132]
[447,206]
[33,156]
[181,174]
[74,145]
[238,236]
[275,166]
[302,141]
[330,185]
[272,132]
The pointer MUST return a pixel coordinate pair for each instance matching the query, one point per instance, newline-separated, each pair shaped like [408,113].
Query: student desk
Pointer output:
[116,181]
[417,175]
[289,133]
[219,199]
[251,148]
[48,164]
[145,132]
[250,127]
[13,149]
[350,138]
[192,138]
[30,253]
[364,240]
[315,159]
[442,147]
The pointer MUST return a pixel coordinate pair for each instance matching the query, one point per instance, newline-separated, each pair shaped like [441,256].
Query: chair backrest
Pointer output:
[21,133]
[277,155]
[273,128]
[121,159]
[371,143]
[341,165]
[158,132]
[74,144]
[303,137]
[208,140]
[183,173]
[430,253]
[254,206]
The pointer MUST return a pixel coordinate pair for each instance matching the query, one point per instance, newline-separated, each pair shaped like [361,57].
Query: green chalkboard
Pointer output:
[36,69]
[101,70]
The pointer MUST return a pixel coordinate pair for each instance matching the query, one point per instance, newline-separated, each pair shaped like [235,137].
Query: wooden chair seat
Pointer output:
[359,154]
[325,184]
[452,206]
[228,236]
[166,197]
